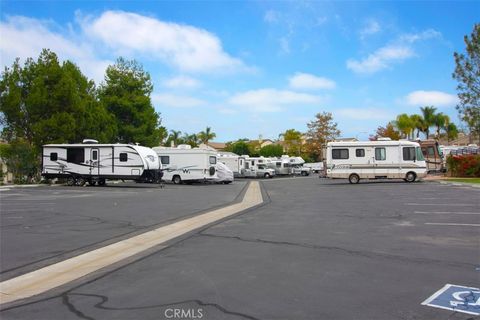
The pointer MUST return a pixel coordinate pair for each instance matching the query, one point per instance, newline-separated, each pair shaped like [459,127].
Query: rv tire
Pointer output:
[410,177]
[71,181]
[81,181]
[177,179]
[354,178]
[267,175]
[101,182]
[91,182]
[304,173]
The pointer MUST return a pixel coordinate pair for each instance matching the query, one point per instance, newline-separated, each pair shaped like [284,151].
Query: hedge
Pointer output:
[464,165]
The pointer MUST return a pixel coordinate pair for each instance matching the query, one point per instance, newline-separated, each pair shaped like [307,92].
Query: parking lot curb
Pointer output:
[454,183]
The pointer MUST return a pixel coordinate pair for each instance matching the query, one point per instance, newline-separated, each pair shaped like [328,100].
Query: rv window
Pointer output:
[123,157]
[213,160]
[360,153]
[75,155]
[380,154]
[431,151]
[53,156]
[419,154]
[339,153]
[165,159]
[95,155]
[278,164]
[408,154]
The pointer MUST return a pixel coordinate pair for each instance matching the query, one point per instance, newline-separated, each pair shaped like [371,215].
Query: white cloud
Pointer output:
[365,113]
[271,16]
[309,81]
[185,47]
[425,35]
[284,45]
[435,98]
[400,49]
[272,100]
[371,27]
[176,101]
[182,82]
[24,37]
[380,59]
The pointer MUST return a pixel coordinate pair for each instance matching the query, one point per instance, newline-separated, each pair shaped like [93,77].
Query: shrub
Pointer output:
[464,165]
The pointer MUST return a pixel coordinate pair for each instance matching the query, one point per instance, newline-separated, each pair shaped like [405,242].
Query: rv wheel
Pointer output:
[81,182]
[266,175]
[91,182]
[354,178]
[101,182]
[70,181]
[410,177]
[177,180]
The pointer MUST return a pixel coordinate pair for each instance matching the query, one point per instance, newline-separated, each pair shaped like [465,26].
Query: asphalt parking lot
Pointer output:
[316,249]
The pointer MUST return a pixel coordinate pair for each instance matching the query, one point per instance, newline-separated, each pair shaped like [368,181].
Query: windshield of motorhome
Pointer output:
[239,160]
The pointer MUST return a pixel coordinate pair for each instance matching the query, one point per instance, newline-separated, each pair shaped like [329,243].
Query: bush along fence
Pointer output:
[464,165]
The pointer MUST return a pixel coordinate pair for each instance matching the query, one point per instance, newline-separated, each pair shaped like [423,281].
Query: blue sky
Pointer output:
[250,68]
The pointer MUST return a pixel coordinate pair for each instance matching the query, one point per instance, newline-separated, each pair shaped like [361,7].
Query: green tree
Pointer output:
[21,160]
[440,121]
[239,147]
[207,135]
[451,132]
[428,114]
[467,73]
[271,150]
[418,124]
[48,102]
[321,130]
[404,124]
[293,142]
[126,94]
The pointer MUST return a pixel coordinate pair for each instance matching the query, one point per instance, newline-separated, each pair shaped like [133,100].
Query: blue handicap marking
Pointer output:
[456,298]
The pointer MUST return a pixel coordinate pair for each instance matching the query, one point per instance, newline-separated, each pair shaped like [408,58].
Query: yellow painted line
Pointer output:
[55,275]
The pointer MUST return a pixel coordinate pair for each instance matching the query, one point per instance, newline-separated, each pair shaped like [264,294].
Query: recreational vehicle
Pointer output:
[316,167]
[281,165]
[224,174]
[234,163]
[433,156]
[94,163]
[258,167]
[375,160]
[184,164]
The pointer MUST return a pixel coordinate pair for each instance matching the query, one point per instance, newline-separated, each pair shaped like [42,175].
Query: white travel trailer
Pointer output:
[94,163]
[375,160]
[184,164]
[234,163]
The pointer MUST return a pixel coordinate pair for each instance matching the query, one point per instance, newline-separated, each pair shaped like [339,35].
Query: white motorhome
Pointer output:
[184,164]
[94,163]
[375,160]
[281,165]
[258,167]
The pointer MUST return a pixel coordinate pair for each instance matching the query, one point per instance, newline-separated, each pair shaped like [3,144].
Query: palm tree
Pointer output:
[404,124]
[206,135]
[174,136]
[440,121]
[452,132]
[418,124]
[428,114]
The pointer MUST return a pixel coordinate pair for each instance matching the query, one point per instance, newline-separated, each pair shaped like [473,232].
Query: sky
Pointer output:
[251,69]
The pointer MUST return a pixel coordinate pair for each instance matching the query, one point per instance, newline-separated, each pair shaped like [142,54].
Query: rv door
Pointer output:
[95,161]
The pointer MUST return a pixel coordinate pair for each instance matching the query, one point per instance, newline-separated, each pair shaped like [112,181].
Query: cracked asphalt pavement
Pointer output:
[316,249]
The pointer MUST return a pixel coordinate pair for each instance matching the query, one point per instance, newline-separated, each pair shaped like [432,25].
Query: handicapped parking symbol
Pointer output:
[456,298]
[466,298]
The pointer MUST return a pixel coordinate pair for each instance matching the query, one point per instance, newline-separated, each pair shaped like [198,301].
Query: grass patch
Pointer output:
[467,180]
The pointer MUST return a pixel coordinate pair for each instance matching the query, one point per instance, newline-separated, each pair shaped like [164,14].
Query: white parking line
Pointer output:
[445,212]
[41,280]
[453,224]
[442,204]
